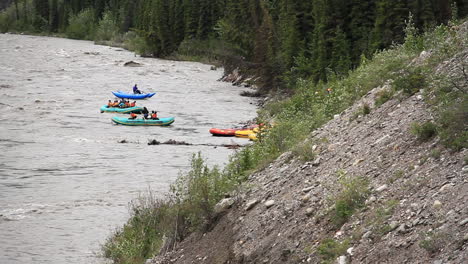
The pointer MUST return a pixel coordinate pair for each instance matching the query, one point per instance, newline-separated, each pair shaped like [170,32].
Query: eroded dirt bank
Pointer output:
[415,213]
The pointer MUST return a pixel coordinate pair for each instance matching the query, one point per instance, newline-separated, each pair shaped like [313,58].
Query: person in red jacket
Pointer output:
[132,116]
[154,115]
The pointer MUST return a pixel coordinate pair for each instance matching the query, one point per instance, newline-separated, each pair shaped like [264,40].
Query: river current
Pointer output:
[65,180]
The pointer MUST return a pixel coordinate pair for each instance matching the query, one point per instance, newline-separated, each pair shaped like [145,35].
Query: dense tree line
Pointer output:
[278,40]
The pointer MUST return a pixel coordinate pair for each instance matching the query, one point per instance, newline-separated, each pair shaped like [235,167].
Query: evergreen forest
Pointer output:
[278,41]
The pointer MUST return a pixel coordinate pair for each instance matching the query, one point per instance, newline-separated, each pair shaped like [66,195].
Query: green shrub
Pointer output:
[424,131]
[107,28]
[304,151]
[411,82]
[352,196]
[383,96]
[142,237]
[362,111]
[453,125]
[329,249]
[82,25]
[413,41]
[156,223]
[207,51]
[434,241]
[435,154]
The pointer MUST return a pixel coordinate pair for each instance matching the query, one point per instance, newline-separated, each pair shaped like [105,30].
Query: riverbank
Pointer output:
[382,171]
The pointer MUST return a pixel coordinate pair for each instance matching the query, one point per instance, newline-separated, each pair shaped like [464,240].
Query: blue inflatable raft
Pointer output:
[128,110]
[120,94]
[143,122]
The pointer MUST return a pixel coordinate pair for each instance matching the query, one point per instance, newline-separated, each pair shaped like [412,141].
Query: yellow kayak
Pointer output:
[250,133]
[244,133]
[253,137]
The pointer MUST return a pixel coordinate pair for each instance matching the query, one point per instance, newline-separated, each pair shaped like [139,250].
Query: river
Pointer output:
[65,180]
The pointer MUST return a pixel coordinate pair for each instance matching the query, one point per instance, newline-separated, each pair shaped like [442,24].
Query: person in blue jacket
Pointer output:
[135,90]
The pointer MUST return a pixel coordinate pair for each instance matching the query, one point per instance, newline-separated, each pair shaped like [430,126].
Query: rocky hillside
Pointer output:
[373,194]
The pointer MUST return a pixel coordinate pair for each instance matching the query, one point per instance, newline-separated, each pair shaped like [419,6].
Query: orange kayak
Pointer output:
[228,132]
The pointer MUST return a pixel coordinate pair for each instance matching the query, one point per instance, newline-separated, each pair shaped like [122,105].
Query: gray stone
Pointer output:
[250,204]
[382,188]
[465,169]
[223,205]
[316,162]
[463,222]
[342,260]
[307,189]
[305,198]
[309,211]
[367,234]
[402,229]
[437,204]
[269,203]
[371,200]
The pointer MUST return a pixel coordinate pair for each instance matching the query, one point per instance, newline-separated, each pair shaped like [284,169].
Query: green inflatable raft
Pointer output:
[143,122]
[128,110]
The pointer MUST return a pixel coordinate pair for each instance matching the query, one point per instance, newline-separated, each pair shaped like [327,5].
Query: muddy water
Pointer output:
[65,181]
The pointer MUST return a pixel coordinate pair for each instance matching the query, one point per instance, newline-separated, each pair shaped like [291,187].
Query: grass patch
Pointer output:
[352,196]
[379,217]
[396,176]
[434,241]
[435,154]
[329,249]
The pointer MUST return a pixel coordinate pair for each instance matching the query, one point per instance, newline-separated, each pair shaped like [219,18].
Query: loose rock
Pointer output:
[269,203]
[251,204]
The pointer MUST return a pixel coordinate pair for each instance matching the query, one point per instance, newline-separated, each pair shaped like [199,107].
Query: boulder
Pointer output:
[223,205]
[132,64]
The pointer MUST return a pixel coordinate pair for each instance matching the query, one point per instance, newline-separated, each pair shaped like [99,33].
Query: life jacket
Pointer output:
[154,115]
[133,115]
[132,104]
[110,104]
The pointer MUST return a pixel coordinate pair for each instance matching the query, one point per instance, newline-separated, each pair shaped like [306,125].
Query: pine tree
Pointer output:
[319,43]
[389,23]
[42,8]
[288,32]
[340,60]
[361,22]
